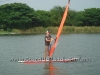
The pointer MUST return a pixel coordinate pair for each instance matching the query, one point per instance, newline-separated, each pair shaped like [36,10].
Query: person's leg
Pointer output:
[46,52]
[49,48]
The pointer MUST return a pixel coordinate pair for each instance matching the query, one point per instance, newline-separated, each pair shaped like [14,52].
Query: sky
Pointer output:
[78,5]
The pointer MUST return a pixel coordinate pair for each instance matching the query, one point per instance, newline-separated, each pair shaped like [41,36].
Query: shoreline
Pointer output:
[42,30]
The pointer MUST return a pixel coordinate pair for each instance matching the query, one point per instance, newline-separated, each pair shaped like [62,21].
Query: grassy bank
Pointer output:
[66,29]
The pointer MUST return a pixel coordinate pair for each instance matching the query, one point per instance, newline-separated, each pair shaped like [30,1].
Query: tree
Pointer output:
[43,18]
[16,15]
[21,16]
[92,17]
[56,15]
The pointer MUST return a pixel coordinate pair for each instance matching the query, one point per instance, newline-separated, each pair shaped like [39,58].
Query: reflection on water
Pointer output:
[50,69]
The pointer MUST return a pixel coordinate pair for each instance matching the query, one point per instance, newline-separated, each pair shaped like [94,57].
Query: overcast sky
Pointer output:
[77,5]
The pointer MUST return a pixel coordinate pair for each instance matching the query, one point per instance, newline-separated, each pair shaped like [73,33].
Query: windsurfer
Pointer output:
[48,39]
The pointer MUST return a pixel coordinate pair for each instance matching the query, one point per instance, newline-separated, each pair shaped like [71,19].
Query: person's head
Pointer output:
[48,32]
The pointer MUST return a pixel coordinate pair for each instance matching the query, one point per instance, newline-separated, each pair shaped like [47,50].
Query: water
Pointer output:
[32,46]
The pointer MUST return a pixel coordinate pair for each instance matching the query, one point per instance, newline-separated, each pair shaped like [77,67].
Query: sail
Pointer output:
[60,29]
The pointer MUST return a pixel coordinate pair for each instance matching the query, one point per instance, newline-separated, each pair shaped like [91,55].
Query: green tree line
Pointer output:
[21,16]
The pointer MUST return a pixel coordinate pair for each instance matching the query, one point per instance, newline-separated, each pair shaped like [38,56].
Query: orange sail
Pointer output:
[60,29]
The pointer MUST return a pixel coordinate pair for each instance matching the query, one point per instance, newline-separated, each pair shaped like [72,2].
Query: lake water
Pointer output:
[32,46]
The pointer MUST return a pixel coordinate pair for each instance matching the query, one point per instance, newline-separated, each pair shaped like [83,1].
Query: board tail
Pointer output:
[59,30]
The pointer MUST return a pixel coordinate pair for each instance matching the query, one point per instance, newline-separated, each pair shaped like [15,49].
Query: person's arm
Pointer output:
[48,40]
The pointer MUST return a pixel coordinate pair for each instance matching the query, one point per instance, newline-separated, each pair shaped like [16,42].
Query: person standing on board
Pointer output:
[48,39]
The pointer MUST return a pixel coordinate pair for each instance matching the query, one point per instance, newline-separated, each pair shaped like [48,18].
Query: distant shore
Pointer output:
[42,30]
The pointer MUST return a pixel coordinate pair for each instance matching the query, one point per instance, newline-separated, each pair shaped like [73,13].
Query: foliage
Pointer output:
[16,15]
[21,16]
[92,17]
